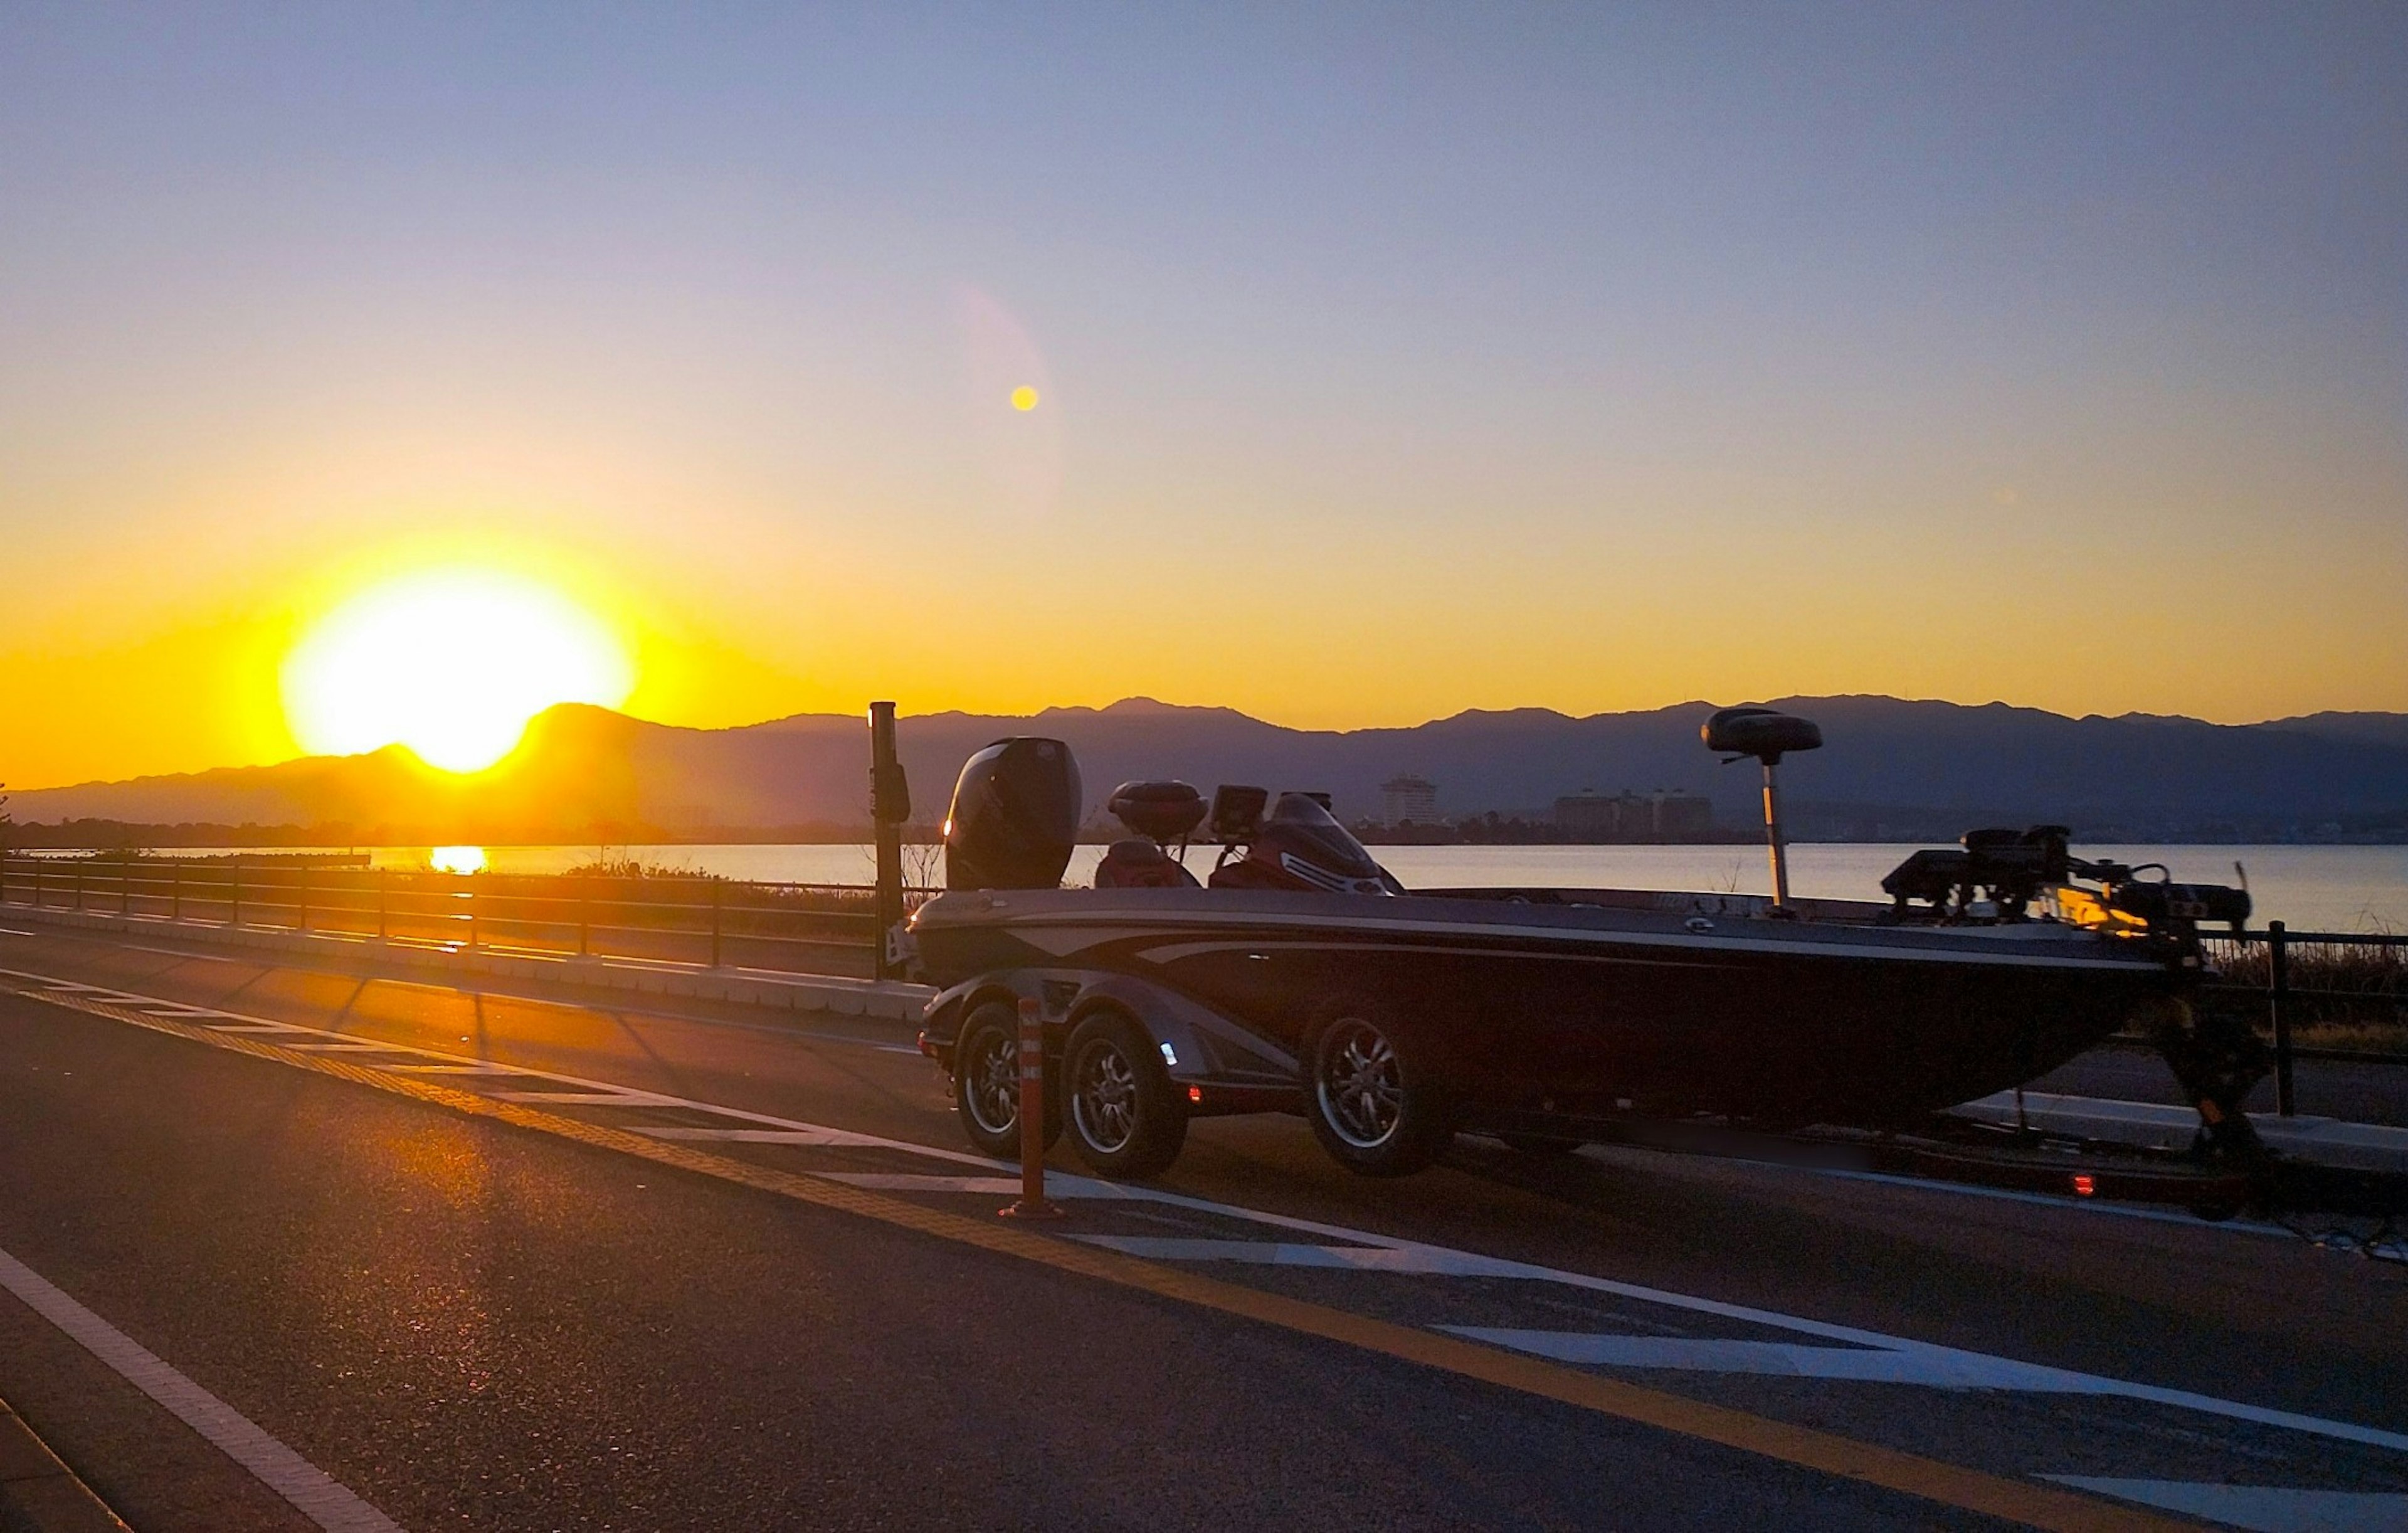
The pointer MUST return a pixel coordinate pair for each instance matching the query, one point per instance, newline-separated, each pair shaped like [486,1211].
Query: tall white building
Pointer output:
[1407,797]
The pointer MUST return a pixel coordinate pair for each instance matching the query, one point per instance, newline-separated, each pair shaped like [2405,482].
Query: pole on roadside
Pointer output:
[890,806]
[1033,1203]
[2278,998]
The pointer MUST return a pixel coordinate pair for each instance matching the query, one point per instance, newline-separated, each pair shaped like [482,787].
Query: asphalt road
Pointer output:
[501,1260]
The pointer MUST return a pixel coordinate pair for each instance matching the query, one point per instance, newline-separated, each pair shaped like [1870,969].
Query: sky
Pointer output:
[1389,361]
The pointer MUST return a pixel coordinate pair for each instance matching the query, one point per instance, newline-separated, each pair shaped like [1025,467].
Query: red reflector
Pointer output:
[2084,1186]
[1195,1093]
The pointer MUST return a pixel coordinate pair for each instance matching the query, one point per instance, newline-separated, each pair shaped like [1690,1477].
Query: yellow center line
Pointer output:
[1829,1453]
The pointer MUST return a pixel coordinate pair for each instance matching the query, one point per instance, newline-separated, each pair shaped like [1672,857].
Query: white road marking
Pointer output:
[764,1136]
[1371,1252]
[1359,1258]
[250,1024]
[1056,1185]
[2266,1508]
[312,1491]
[588,1098]
[11,931]
[458,1070]
[343,1048]
[1412,1256]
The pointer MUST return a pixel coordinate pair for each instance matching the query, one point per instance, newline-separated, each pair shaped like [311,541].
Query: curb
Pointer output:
[2322,1141]
[888,1001]
[39,1493]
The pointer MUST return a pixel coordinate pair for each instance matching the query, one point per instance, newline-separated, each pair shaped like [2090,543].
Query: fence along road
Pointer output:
[1741,1374]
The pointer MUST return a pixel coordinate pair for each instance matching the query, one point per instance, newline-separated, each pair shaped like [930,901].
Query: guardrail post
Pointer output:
[78,888]
[472,915]
[125,887]
[717,893]
[301,900]
[1033,1203]
[2278,997]
[234,916]
[38,901]
[585,917]
[381,882]
[176,890]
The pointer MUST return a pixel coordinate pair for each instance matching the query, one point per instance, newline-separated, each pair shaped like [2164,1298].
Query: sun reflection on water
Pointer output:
[456,859]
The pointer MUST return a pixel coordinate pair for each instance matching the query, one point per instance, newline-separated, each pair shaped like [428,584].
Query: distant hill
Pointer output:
[1892,769]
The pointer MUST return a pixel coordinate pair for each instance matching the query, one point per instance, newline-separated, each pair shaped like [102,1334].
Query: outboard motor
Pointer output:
[1015,816]
[1159,812]
[1300,845]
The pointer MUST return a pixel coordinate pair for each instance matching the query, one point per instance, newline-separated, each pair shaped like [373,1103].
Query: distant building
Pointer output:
[1683,816]
[1592,816]
[1590,812]
[1409,799]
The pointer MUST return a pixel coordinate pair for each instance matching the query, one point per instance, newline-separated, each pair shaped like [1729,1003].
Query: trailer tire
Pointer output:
[1373,1092]
[986,1082]
[1124,1118]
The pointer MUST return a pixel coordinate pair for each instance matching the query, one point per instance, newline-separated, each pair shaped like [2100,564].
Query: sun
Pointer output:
[450,663]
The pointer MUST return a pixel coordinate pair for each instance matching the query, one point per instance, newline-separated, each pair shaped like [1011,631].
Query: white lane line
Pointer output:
[342,1048]
[457,1069]
[1002,1186]
[588,1098]
[2267,1508]
[1952,1361]
[248,1024]
[1444,1260]
[1357,1258]
[11,931]
[312,1491]
[764,1136]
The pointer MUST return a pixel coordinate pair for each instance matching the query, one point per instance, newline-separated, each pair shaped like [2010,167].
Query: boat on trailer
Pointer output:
[1300,977]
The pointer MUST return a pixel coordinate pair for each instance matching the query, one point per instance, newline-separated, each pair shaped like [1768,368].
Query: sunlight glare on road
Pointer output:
[451,663]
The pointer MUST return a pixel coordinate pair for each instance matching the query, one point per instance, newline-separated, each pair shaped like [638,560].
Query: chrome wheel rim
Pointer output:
[1103,1098]
[1360,1085]
[991,1084]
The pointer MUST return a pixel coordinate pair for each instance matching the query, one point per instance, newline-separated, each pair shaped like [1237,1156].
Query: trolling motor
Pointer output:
[1767,736]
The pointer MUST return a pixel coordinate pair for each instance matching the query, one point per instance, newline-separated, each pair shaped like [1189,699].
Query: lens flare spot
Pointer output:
[1023,398]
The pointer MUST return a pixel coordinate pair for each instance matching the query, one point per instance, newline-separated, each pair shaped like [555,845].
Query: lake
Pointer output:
[2318,888]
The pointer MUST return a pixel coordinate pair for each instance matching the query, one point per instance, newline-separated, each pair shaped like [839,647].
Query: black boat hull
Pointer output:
[1573,1009]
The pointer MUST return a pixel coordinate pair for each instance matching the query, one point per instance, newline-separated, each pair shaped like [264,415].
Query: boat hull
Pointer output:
[1569,1009]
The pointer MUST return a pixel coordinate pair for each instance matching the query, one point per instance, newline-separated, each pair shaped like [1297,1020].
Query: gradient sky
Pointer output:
[1393,361]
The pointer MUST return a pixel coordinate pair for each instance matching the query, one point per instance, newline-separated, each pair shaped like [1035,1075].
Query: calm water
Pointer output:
[2321,888]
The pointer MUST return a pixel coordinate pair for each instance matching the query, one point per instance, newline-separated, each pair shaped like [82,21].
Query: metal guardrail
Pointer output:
[780,926]
[2374,965]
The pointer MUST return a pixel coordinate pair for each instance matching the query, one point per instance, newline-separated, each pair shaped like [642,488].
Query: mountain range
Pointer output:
[1891,769]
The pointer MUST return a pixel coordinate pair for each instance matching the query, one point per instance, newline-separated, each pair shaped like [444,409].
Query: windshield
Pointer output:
[1331,844]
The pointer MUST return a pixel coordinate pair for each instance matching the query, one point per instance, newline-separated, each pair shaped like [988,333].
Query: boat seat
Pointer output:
[1141,864]
[1159,811]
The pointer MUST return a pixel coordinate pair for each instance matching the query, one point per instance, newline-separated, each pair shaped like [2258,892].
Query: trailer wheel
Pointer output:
[986,1082]
[1124,1119]
[1372,1092]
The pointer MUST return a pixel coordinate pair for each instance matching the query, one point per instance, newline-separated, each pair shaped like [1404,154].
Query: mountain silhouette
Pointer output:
[1892,768]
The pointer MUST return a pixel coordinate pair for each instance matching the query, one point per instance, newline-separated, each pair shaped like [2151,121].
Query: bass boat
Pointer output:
[1300,977]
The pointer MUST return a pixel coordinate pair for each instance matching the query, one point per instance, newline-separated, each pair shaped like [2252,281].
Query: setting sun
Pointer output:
[451,664]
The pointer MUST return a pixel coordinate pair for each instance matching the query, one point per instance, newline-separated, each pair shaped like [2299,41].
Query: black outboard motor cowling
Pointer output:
[1015,816]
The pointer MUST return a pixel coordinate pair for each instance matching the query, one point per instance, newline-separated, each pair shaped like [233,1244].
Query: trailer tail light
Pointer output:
[1195,1093]
[2083,1185]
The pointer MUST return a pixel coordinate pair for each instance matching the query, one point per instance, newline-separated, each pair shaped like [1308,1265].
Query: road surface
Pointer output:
[288,1246]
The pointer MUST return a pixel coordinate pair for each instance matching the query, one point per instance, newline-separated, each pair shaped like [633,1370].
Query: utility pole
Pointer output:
[890,806]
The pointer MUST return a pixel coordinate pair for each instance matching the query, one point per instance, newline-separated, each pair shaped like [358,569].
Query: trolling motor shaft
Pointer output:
[1767,736]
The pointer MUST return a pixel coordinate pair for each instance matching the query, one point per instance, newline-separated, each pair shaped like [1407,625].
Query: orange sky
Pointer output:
[1382,373]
